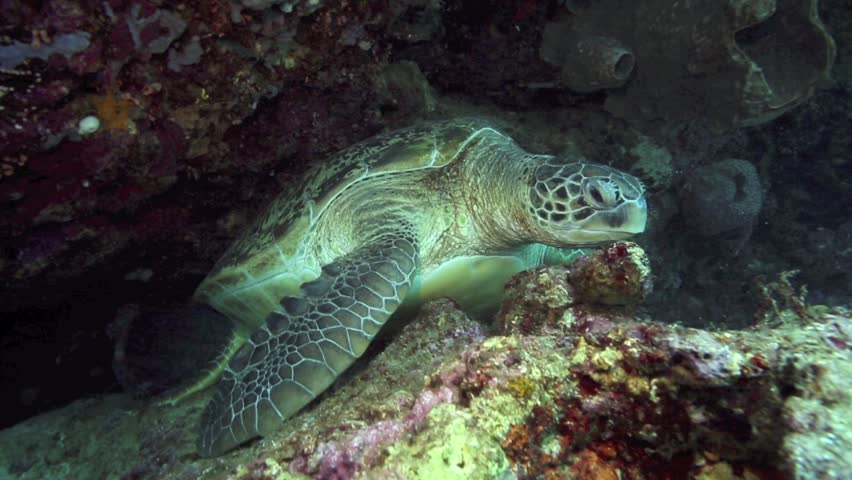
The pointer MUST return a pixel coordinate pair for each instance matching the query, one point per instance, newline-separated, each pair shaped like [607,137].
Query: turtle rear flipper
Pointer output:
[171,353]
[303,347]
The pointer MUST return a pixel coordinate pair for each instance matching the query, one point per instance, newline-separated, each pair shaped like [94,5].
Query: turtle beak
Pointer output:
[620,223]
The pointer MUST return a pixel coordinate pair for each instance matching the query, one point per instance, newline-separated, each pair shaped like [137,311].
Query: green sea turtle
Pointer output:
[452,208]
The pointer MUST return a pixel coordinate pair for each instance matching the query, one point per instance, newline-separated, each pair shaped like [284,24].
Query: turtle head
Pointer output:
[584,203]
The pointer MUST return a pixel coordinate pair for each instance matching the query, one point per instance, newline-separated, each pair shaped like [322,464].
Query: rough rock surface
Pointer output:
[561,389]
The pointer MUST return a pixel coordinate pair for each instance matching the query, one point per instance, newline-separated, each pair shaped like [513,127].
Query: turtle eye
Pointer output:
[601,193]
[596,194]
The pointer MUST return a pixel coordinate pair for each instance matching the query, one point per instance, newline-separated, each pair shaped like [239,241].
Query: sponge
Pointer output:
[722,198]
[67,44]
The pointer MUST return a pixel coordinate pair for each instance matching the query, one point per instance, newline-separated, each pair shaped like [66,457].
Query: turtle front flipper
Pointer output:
[303,347]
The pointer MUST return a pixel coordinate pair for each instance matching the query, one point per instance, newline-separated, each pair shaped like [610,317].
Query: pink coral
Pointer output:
[342,459]
[426,401]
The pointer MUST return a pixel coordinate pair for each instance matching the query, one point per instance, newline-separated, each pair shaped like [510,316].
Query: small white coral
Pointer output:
[88,125]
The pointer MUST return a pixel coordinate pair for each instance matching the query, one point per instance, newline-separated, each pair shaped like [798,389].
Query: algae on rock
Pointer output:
[452,448]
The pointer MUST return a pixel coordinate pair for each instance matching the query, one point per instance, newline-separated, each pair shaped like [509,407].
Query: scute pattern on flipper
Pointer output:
[303,347]
[410,148]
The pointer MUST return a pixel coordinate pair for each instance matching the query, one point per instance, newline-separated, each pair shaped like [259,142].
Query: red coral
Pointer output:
[590,466]
[523,444]
[618,274]
[588,387]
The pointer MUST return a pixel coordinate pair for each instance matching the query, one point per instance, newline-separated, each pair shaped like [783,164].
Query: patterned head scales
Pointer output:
[583,203]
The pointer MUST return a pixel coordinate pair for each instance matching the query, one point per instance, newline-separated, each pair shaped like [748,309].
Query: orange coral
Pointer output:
[113,112]
[523,445]
[591,467]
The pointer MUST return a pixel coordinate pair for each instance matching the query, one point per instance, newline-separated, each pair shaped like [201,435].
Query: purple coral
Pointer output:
[11,56]
[153,31]
[336,464]
[426,401]
[342,459]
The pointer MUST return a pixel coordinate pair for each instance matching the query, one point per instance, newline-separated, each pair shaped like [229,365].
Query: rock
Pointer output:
[593,391]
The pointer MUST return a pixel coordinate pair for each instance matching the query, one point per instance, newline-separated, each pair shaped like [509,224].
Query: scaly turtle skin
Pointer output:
[444,209]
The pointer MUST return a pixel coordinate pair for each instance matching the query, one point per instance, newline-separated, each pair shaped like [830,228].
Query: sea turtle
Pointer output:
[450,208]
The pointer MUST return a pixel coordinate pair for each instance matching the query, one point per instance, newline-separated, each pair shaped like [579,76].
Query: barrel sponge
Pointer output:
[721,197]
[728,62]
[588,62]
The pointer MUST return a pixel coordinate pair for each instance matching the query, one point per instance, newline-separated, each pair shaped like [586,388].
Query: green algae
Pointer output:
[454,447]
[539,367]
[654,163]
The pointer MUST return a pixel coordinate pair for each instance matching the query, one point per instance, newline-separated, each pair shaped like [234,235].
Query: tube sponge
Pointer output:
[589,62]
[721,198]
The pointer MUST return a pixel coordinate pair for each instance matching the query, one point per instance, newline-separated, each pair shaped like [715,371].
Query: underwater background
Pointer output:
[138,138]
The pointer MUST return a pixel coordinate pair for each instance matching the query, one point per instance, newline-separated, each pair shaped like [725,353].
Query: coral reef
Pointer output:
[486,50]
[299,7]
[800,225]
[577,390]
[174,92]
[732,63]
[618,274]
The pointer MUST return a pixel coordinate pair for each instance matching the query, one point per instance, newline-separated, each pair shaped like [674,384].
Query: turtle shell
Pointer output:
[272,258]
